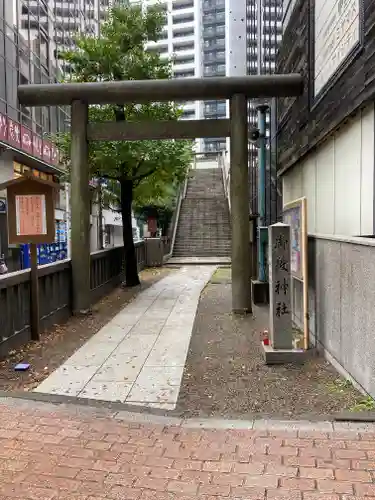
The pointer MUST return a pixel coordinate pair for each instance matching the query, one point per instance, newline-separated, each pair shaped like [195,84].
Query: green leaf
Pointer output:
[155,167]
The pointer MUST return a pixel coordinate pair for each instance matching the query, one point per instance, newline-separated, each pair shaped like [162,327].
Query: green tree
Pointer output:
[159,204]
[141,168]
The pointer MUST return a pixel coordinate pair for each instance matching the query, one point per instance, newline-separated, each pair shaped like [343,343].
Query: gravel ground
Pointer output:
[59,343]
[225,375]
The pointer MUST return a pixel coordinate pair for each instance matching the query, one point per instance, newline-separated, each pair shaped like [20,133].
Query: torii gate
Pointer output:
[237,89]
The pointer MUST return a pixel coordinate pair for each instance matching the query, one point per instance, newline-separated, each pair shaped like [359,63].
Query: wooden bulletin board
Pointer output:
[31,212]
[295,214]
[31,219]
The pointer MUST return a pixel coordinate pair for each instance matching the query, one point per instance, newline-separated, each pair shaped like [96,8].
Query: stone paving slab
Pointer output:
[139,356]
[56,452]
[182,261]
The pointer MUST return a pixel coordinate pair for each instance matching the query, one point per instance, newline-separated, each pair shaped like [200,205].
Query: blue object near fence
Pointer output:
[48,253]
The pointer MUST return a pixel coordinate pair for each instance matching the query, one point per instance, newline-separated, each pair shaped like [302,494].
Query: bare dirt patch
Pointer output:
[225,375]
[59,343]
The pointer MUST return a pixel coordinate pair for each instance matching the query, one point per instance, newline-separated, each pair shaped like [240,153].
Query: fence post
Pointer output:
[34,295]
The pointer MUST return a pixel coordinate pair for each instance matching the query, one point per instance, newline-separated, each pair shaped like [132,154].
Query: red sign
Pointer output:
[37,146]
[24,139]
[152,225]
[3,128]
[14,133]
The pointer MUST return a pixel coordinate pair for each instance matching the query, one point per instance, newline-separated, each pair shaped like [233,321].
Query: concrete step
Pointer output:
[189,222]
[204,228]
[201,254]
[206,244]
[189,245]
[205,237]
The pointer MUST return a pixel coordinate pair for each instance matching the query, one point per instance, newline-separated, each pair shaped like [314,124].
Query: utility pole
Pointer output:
[263,234]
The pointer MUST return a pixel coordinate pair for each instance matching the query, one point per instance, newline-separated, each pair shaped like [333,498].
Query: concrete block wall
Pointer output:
[341,304]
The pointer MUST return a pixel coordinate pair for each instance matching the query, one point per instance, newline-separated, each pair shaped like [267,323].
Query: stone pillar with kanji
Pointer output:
[281,332]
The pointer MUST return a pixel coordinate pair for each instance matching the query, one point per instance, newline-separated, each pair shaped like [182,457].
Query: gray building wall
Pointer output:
[341,283]
[236,40]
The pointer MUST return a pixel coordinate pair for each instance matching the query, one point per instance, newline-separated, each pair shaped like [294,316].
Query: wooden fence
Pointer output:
[107,271]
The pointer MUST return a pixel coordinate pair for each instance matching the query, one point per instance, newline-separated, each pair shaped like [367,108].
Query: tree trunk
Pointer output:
[131,269]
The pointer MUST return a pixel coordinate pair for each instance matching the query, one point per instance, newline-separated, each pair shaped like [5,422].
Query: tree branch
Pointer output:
[140,178]
[134,170]
[119,113]
[106,176]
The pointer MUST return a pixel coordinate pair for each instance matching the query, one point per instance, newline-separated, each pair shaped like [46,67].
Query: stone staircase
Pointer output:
[204,227]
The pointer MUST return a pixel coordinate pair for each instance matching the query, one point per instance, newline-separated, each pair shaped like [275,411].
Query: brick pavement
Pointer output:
[51,452]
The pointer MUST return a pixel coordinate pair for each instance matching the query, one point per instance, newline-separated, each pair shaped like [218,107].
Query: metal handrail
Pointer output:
[226,177]
[175,219]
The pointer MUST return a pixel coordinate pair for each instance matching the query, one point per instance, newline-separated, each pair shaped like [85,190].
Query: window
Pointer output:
[185,5]
[3,91]
[185,19]
[184,60]
[19,170]
[179,34]
[183,46]
[188,114]
[183,74]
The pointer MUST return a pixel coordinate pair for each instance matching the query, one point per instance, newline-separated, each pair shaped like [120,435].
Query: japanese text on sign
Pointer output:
[281,286]
[31,215]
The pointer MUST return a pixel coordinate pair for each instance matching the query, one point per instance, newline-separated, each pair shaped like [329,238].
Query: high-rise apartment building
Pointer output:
[212,46]
[208,38]
[264,32]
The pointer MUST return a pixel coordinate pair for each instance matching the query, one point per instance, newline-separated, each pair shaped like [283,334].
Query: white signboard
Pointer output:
[31,216]
[337,31]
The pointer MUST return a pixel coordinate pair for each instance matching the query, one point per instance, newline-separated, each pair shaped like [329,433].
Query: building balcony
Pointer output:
[177,15]
[161,45]
[157,2]
[188,114]
[190,66]
[178,5]
[181,55]
[183,27]
[184,74]
[189,105]
[186,37]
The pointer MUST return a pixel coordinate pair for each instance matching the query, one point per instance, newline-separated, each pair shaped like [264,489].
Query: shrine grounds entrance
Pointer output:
[237,89]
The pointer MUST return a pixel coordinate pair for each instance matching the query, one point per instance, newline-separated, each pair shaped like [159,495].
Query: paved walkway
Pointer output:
[68,453]
[140,355]
[182,261]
